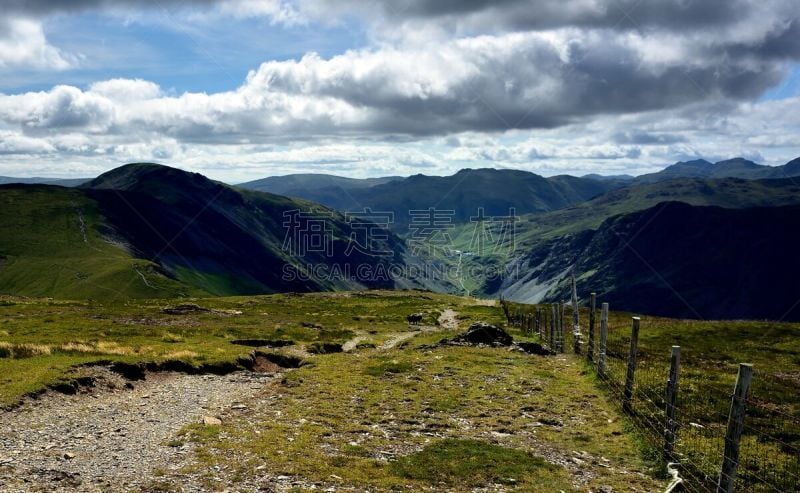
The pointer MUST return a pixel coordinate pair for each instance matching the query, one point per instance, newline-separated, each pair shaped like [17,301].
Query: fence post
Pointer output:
[671,402]
[576,324]
[592,309]
[601,359]
[539,321]
[558,327]
[561,310]
[553,328]
[730,458]
[628,396]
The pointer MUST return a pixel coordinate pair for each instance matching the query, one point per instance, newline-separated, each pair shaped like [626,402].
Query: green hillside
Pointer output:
[51,245]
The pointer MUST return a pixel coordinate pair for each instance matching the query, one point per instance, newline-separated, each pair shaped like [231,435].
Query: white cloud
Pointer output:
[126,90]
[565,86]
[24,45]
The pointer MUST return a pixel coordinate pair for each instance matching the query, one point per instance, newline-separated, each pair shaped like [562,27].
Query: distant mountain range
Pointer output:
[62,182]
[333,191]
[496,191]
[731,168]
[687,241]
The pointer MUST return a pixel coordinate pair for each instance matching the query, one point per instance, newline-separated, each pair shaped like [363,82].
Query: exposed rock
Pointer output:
[324,348]
[483,333]
[211,421]
[534,348]
[184,309]
[272,343]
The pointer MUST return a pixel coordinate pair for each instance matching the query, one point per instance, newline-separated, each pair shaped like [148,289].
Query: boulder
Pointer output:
[483,333]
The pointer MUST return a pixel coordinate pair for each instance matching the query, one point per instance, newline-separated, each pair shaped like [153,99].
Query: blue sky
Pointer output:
[176,54]
[240,89]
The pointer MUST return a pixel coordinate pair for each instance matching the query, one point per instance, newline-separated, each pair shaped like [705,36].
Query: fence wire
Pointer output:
[769,454]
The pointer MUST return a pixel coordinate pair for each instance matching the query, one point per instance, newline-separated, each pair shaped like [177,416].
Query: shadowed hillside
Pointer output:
[680,260]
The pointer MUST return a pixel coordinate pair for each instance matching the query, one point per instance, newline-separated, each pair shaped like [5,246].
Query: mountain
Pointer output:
[496,191]
[62,182]
[333,191]
[728,192]
[146,230]
[677,260]
[730,168]
[595,176]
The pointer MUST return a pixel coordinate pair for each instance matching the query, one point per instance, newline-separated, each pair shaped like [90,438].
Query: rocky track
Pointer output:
[115,437]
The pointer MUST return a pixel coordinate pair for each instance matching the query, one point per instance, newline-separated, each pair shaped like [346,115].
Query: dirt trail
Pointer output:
[448,320]
[354,342]
[113,439]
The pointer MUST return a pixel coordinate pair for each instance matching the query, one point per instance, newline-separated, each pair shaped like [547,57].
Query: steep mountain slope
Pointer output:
[496,191]
[146,230]
[678,260]
[730,168]
[224,240]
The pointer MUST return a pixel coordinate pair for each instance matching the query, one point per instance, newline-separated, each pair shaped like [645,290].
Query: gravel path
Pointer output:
[114,438]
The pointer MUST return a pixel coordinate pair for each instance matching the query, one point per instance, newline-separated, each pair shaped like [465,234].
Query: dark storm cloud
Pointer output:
[549,14]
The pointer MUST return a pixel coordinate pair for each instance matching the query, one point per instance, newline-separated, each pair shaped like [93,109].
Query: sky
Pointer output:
[242,89]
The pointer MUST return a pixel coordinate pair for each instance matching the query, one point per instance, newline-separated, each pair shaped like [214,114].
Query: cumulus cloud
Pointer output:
[483,83]
[621,84]
[23,45]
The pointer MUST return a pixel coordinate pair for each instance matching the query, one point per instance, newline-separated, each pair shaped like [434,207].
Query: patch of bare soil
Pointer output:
[117,436]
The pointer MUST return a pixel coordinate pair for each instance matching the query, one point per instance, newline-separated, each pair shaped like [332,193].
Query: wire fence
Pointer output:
[717,449]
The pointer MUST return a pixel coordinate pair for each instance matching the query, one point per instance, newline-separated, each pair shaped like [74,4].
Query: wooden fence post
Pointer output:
[539,321]
[628,395]
[576,324]
[592,309]
[558,327]
[561,310]
[730,458]
[553,328]
[670,424]
[601,359]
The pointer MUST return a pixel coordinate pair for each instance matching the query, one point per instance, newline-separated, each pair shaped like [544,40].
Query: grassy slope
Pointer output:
[711,352]
[340,421]
[140,331]
[490,395]
[49,252]
[440,408]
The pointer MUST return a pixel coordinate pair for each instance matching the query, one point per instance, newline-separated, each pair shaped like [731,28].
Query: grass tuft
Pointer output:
[473,463]
[172,338]
[17,351]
